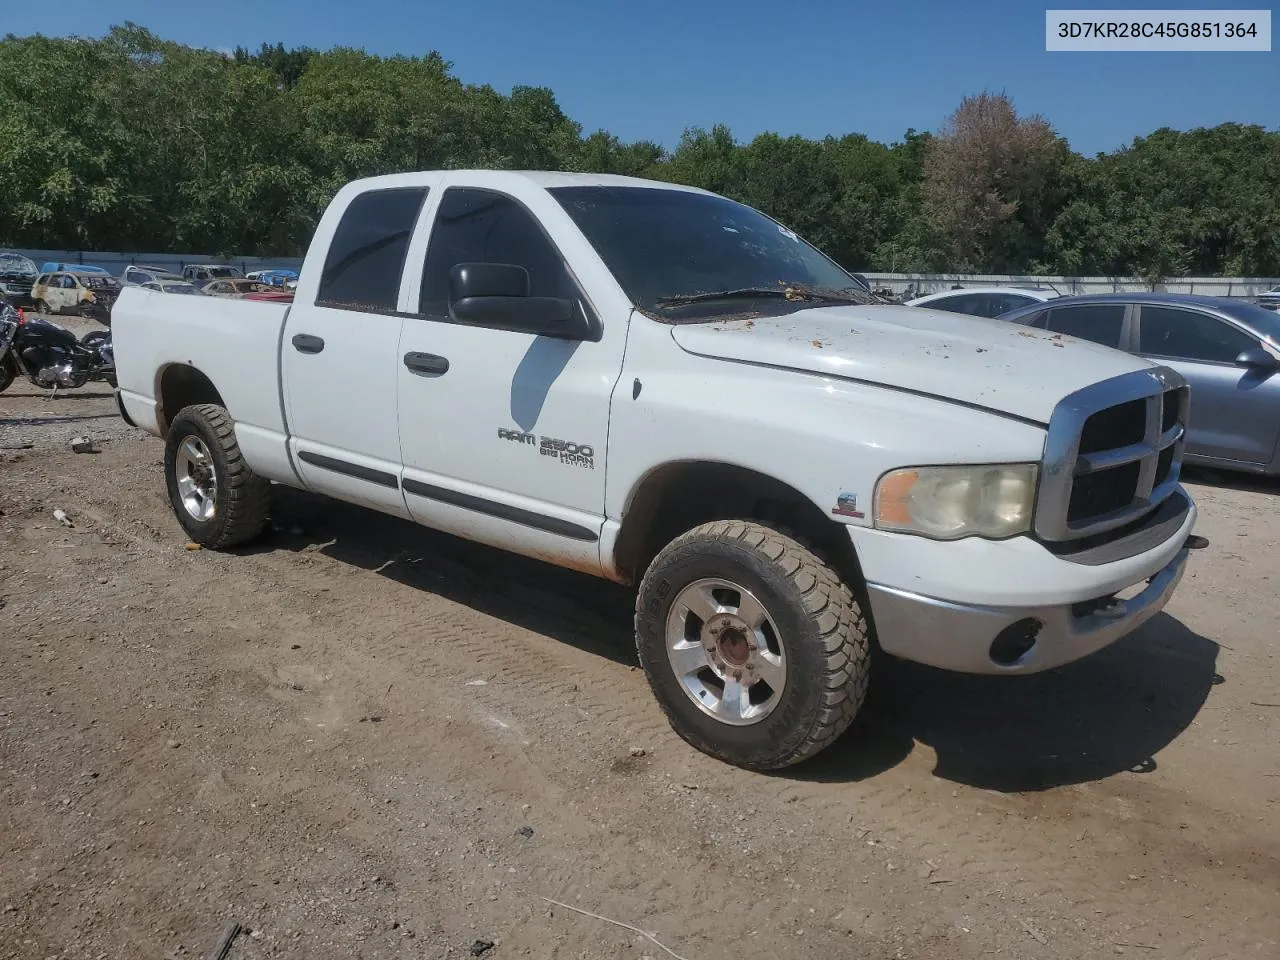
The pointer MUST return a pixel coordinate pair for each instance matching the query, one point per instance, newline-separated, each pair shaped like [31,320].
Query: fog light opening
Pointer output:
[1015,641]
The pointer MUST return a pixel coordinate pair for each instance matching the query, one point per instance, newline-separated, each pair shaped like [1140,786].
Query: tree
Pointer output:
[990,181]
[132,142]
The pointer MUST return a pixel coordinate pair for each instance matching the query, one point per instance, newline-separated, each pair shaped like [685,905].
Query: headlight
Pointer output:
[951,502]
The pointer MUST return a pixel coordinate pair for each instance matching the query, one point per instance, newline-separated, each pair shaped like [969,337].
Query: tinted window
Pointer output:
[666,243]
[979,304]
[1186,335]
[1004,302]
[1100,322]
[958,303]
[366,258]
[480,226]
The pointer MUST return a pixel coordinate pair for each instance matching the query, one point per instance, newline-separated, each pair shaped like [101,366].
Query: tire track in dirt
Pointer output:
[1008,856]
[1004,859]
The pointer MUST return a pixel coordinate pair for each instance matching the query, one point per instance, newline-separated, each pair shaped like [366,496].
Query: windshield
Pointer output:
[96,280]
[223,272]
[1263,321]
[662,245]
[15,264]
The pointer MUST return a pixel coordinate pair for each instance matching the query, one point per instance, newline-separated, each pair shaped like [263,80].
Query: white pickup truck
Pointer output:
[659,386]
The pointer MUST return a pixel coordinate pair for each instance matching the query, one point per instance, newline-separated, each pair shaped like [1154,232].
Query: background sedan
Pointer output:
[983,301]
[1228,351]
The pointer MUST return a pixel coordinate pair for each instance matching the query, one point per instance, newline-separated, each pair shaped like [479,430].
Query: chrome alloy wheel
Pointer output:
[726,652]
[197,479]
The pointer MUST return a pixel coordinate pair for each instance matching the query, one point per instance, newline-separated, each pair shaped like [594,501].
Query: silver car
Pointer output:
[1228,351]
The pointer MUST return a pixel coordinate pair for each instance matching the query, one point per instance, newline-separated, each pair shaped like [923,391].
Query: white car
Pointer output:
[607,374]
[983,301]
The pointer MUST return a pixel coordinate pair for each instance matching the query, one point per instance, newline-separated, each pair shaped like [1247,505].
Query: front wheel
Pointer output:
[218,500]
[755,649]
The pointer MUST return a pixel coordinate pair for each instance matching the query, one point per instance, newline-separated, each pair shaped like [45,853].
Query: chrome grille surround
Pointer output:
[1063,463]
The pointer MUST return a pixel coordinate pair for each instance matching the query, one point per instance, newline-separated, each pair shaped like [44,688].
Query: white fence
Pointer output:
[919,284]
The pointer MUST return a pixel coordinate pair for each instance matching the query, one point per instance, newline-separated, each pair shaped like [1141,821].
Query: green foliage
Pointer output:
[131,142]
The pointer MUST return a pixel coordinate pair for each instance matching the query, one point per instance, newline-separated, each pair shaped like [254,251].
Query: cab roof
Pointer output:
[547,179]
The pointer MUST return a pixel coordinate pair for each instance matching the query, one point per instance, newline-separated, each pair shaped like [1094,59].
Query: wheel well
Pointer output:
[183,386]
[678,497]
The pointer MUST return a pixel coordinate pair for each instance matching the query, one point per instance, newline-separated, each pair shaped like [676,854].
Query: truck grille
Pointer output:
[1113,454]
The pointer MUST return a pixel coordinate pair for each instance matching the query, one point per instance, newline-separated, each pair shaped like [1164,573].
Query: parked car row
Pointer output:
[1228,349]
[91,292]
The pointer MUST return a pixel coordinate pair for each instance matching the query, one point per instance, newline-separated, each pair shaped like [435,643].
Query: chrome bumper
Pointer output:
[960,637]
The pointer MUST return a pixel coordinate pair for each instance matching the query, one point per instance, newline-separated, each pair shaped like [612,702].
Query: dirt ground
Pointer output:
[360,739]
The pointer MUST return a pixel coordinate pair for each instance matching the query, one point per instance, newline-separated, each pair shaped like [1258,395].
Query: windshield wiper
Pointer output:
[792,292]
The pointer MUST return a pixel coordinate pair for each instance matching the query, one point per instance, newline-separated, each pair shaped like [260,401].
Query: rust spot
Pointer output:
[819,344]
[749,324]
[1024,333]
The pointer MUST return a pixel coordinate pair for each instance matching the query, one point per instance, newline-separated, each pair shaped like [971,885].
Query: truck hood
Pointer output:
[992,364]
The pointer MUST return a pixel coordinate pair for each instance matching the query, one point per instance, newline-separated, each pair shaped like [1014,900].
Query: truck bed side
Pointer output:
[169,346]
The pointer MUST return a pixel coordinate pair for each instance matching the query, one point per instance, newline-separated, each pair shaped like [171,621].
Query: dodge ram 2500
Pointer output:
[662,387]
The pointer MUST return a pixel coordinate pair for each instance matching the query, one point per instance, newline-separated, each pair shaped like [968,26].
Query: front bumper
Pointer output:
[1013,610]
[975,639]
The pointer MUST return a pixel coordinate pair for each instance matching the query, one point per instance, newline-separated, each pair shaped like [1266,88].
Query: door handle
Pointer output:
[427,363]
[306,343]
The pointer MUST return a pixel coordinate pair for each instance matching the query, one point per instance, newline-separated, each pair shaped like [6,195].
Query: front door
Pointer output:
[339,352]
[502,432]
[1235,412]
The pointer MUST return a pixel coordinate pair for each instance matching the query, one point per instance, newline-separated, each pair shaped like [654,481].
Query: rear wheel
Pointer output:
[218,500]
[8,370]
[42,308]
[755,649]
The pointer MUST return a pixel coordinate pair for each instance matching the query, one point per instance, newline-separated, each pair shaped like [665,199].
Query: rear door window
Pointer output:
[366,257]
[1100,322]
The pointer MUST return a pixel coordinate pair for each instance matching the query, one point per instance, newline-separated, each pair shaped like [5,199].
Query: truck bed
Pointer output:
[236,342]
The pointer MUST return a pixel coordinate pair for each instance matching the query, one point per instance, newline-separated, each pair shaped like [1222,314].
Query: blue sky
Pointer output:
[648,70]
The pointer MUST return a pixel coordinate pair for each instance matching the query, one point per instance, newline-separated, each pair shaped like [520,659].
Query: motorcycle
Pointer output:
[49,355]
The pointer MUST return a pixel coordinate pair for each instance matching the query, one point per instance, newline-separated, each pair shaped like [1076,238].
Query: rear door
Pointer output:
[339,354]
[504,440]
[1235,412]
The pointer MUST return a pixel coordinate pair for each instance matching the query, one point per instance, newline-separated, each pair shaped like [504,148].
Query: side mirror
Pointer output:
[1258,360]
[496,295]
